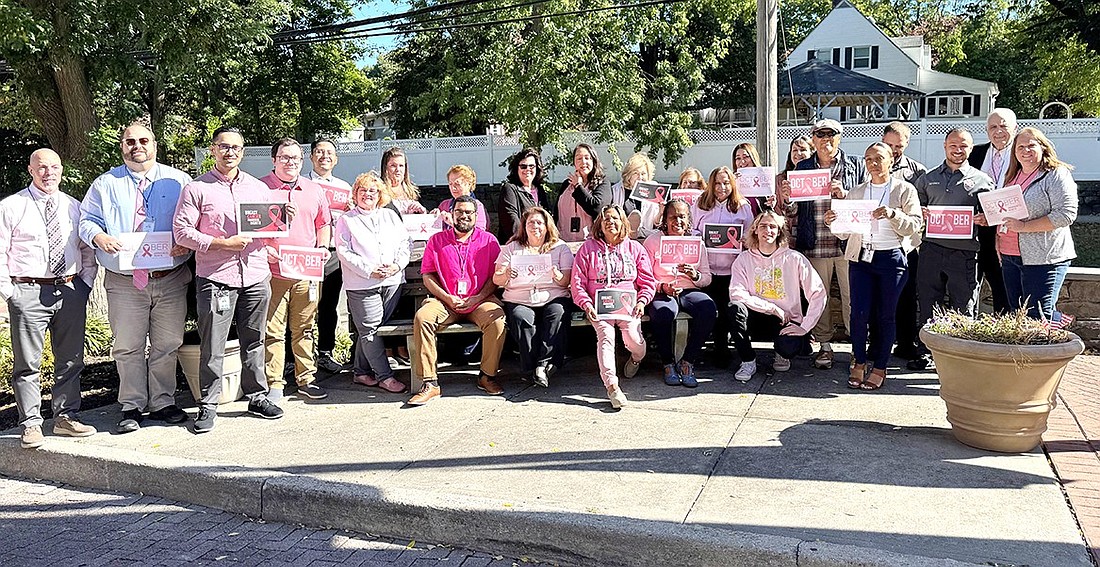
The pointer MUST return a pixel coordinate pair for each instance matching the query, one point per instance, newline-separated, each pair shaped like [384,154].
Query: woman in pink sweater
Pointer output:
[609,261]
[767,282]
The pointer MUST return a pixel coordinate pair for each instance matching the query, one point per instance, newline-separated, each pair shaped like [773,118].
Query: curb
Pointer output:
[543,534]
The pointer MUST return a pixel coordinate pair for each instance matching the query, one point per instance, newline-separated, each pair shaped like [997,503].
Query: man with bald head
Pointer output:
[992,158]
[140,196]
[46,274]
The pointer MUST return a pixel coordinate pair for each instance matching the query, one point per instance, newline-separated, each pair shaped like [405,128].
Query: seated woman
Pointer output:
[582,196]
[537,311]
[766,288]
[691,179]
[524,188]
[679,288]
[373,248]
[461,180]
[403,195]
[611,261]
[641,216]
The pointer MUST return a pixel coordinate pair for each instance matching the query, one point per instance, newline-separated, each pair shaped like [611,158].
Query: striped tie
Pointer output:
[57,244]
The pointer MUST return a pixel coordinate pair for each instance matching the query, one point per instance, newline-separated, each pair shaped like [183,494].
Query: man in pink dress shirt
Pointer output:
[231,275]
[46,274]
[294,301]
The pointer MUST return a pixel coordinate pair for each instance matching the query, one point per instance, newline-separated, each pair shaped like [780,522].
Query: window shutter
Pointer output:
[967,103]
[874,57]
[977,105]
[811,55]
[847,57]
[923,107]
[836,56]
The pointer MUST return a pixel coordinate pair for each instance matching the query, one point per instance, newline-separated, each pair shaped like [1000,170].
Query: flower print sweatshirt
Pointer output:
[628,264]
[774,285]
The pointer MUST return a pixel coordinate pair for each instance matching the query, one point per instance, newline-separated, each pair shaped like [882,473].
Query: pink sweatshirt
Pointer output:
[629,264]
[653,248]
[774,285]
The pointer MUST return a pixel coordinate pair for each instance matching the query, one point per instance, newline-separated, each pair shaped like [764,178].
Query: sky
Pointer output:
[378,45]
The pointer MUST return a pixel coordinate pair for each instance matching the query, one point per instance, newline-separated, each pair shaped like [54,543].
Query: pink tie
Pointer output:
[141,276]
[997,162]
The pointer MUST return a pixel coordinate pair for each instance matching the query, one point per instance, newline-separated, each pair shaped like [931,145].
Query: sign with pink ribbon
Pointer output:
[651,191]
[689,196]
[950,222]
[676,250]
[338,198]
[262,220]
[722,238]
[810,185]
[1001,204]
[145,250]
[853,216]
[302,263]
[420,227]
[756,181]
[615,304]
[532,269]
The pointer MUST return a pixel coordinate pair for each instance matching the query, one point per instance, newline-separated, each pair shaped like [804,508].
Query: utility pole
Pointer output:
[767,84]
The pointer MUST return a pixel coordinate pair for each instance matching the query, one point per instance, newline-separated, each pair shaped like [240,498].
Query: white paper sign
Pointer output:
[1001,204]
[853,216]
[145,250]
[420,227]
[532,269]
[756,181]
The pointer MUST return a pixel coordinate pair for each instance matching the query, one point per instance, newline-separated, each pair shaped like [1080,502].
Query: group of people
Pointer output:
[596,249]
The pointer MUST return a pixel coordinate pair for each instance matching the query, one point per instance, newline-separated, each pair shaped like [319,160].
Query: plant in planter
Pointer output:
[998,375]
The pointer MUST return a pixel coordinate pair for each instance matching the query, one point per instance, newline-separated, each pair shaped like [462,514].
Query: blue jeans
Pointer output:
[876,286]
[662,319]
[1037,287]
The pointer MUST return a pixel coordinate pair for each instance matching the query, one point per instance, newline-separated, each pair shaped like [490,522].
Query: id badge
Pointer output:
[575,224]
[539,296]
[867,253]
[463,287]
[148,225]
[313,295]
[223,303]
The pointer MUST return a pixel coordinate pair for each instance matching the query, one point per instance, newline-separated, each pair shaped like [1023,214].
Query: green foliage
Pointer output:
[343,348]
[98,338]
[1014,328]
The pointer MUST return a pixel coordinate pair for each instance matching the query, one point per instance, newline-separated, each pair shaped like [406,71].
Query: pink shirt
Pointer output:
[312,214]
[561,257]
[208,210]
[25,244]
[457,264]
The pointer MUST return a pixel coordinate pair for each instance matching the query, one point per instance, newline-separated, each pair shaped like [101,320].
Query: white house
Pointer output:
[848,39]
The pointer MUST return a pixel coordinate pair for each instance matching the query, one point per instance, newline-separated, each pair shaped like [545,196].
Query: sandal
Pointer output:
[856,377]
[875,380]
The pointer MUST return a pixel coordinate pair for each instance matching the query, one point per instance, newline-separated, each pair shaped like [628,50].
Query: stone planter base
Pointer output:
[231,371]
[999,396]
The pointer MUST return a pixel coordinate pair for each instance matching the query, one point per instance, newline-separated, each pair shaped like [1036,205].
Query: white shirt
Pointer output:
[25,243]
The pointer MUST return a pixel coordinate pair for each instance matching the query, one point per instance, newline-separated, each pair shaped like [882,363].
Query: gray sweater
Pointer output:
[1053,195]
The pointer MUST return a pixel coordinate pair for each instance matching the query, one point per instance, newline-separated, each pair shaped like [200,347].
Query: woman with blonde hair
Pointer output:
[641,215]
[536,300]
[611,261]
[398,183]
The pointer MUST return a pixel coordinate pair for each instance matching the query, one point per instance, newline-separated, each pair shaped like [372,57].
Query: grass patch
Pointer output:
[1086,239]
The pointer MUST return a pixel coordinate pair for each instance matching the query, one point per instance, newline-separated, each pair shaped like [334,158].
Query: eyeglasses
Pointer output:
[288,159]
[464,213]
[527,166]
[825,134]
[229,148]
[137,141]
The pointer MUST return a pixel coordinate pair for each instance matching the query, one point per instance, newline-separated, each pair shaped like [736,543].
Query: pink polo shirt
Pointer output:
[207,210]
[453,262]
[312,213]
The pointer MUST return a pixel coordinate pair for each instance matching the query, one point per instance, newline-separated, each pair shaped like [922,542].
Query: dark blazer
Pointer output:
[513,201]
[977,155]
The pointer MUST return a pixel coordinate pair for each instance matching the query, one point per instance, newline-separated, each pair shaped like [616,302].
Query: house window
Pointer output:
[861,57]
[951,105]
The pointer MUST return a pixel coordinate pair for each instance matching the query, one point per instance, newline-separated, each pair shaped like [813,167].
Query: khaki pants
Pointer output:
[432,315]
[295,295]
[826,267]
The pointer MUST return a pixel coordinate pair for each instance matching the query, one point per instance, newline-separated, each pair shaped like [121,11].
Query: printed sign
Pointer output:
[689,196]
[950,222]
[532,269]
[339,199]
[145,250]
[853,216]
[262,220]
[1001,204]
[676,250]
[811,185]
[615,304]
[756,181]
[651,191]
[420,227]
[302,263]
[722,238]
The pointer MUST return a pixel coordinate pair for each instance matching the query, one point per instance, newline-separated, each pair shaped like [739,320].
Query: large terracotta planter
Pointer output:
[999,396]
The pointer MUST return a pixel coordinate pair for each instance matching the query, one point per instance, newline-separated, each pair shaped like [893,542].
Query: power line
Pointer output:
[382,19]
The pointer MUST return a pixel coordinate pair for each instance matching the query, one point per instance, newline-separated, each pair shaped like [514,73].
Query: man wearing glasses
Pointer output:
[458,271]
[323,156]
[815,240]
[311,228]
[46,274]
[232,275]
[125,210]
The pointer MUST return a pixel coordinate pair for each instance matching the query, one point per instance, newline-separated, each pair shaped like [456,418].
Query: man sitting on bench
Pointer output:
[458,270]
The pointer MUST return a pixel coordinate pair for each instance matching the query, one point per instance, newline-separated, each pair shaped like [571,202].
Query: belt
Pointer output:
[43,281]
[154,274]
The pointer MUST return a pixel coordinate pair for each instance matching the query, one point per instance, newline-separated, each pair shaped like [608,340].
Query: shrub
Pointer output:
[1013,328]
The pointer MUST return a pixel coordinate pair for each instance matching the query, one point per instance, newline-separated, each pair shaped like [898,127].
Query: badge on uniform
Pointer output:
[866,253]
[223,303]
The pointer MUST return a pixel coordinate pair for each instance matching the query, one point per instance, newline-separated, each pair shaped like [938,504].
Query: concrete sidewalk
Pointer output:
[792,470]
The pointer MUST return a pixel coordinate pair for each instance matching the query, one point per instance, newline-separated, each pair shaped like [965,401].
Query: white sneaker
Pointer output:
[630,369]
[781,364]
[744,374]
[617,397]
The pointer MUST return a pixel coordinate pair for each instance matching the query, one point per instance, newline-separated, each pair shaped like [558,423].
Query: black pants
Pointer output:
[989,267]
[905,317]
[719,292]
[327,319]
[749,325]
[539,332]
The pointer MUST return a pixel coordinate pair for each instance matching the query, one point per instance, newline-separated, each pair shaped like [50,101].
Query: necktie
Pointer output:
[57,244]
[998,161]
[141,276]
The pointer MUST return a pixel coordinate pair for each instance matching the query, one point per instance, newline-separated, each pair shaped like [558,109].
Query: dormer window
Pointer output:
[861,57]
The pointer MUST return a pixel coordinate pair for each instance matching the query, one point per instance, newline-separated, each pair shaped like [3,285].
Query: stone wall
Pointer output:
[1080,297]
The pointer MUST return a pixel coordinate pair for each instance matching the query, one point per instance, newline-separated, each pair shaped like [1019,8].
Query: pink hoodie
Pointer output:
[774,285]
[630,266]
